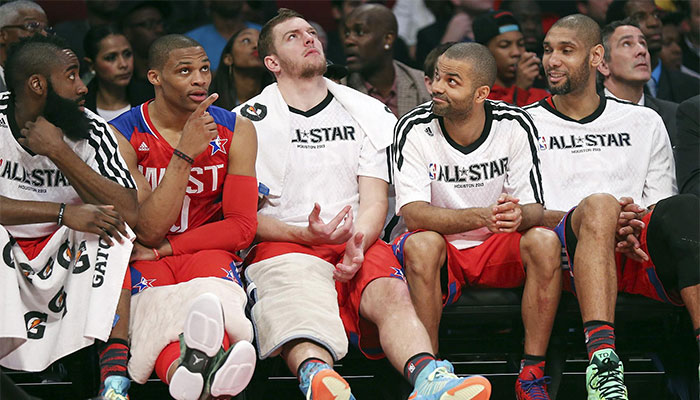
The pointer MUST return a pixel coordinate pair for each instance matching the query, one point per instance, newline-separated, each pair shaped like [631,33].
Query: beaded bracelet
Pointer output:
[61,210]
[183,156]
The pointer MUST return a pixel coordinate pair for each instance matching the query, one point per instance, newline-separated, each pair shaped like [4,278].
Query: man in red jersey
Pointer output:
[194,165]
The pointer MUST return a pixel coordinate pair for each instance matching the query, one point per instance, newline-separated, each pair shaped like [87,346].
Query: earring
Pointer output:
[386,46]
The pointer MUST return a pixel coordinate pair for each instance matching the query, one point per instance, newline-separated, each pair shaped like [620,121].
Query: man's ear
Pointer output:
[597,55]
[153,77]
[37,84]
[604,69]
[389,39]
[481,94]
[272,63]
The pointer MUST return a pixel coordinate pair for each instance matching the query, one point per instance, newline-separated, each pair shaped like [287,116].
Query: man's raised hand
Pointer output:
[199,130]
[42,137]
[332,232]
[352,259]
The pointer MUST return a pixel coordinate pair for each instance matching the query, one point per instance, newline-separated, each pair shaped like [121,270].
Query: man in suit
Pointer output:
[665,83]
[370,33]
[626,67]
[688,146]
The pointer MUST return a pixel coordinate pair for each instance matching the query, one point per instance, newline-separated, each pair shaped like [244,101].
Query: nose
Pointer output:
[81,89]
[438,86]
[516,51]
[308,39]
[200,78]
[550,61]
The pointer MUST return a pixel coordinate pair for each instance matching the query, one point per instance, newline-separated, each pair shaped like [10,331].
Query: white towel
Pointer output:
[59,302]
[270,115]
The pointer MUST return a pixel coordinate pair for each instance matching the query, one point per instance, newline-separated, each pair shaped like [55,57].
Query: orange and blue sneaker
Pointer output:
[532,389]
[116,388]
[438,382]
[321,382]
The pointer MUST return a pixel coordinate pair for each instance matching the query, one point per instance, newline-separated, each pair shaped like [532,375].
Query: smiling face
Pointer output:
[184,79]
[297,51]
[566,61]
[114,62]
[628,58]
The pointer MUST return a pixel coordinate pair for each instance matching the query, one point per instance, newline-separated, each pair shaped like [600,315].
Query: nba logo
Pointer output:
[543,143]
[432,171]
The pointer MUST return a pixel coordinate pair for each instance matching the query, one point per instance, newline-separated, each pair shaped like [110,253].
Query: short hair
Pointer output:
[480,59]
[10,11]
[160,49]
[266,41]
[608,30]
[379,16]
[36,54]
[585,27]
[431,58]
[93,37]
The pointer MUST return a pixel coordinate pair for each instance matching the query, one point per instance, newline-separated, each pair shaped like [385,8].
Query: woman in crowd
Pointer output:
[241,74]
[109,55]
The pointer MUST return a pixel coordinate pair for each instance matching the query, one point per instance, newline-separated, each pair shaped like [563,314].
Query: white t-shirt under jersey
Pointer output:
[24,176]
[429,166]
[621,149]
[329,152]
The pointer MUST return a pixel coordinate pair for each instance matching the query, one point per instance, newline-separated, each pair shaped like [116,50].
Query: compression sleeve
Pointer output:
[236,231]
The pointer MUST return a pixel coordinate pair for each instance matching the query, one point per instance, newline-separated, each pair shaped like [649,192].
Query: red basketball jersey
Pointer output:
[202,202]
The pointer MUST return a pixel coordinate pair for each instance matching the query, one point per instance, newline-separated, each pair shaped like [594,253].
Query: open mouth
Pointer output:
[198,96]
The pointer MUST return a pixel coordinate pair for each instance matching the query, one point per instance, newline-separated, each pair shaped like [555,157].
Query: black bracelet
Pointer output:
[60,214]
[184,156]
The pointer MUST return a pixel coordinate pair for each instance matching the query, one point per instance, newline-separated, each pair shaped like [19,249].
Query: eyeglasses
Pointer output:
[32,26]
[148,24]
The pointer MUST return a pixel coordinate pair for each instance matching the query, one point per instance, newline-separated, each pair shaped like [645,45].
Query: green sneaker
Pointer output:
[605,377]
[230,371]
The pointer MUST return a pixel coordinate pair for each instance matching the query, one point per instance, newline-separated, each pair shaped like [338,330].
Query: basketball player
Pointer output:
[591,145]
[194,165]
[323,148]
[468,185]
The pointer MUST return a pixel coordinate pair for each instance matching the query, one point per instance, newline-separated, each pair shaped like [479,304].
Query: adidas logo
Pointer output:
[3,124]
[429,131]
[144,147]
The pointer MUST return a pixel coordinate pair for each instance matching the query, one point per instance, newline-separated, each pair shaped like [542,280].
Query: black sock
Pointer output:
[599,335]
[415,365]
[113,357]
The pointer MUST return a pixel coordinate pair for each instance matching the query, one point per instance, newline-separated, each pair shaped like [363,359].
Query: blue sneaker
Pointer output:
[116,388]
[438,382]
[321,382]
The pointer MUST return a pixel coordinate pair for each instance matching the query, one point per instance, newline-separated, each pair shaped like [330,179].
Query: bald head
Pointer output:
[378,16]
[587,30]
[160,49]
[480,60]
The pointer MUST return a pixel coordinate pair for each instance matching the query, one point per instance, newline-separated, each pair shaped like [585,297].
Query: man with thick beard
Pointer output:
[315,284]
[590,145]
[62,177]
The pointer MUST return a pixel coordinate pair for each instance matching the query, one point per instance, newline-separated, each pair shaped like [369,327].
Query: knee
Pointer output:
[424,253]
[540,247]
[598,208]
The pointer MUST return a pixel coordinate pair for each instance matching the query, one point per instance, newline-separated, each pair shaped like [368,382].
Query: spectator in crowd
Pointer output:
[110,57]
[194,166]
[228,17]
[595,9]
[99,12]
[453,23]
[340,137]
[688,146]
[516,68]
[370,31]
[626,69]
[529,15]
[630,158]
[76,203]
[19,19]
[475,223]
[671,53]
[665,83]
[142,22]
[242,74]
[340,9]
[429,65]
[411,16]
[691,39]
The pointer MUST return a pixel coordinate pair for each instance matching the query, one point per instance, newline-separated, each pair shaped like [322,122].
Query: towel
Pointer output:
[270,116]
[60,301]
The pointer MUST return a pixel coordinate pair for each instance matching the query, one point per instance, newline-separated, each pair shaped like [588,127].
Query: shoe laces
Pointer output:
[535,388]
[441,373]
[609,380]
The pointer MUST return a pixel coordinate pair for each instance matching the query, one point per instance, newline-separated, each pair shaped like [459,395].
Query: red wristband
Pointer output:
[156,253]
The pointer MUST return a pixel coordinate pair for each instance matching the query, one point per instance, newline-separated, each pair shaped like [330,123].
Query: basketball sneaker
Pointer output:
[438,382]
[323,383]
[116,388]
[532,389]
[605,377]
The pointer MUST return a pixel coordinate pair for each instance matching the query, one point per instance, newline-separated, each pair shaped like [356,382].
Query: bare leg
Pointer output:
[541,253]
[386,302]
[594,222]
[296,351]
[424,255]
